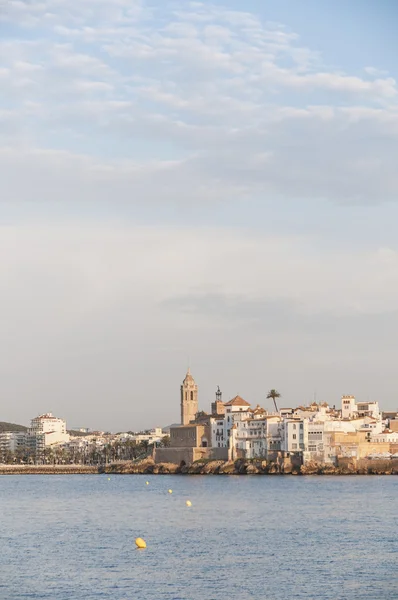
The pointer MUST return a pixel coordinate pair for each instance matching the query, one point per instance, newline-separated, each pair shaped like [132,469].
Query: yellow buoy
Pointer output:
[147,482]
[170,491]
[188,503]
[140,543]
[109,478]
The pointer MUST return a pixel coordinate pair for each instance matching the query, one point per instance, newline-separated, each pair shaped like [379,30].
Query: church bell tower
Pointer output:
[189,399]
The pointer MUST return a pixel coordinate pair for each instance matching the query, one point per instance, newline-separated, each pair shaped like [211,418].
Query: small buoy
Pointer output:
[109,478]
[140,543]
[188,503]
[170,491]
[147,483]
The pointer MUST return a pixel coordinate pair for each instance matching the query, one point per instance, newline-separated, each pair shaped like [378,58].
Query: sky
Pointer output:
[212,184]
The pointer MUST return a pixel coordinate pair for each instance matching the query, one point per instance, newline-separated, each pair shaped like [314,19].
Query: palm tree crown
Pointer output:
[274,395]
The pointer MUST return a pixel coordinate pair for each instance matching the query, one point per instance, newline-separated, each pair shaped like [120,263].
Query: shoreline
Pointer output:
[237,467]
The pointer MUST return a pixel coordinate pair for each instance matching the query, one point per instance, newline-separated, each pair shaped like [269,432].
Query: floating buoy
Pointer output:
[147,482]
[109,478]
[170,491]
[140,543]
[188,503]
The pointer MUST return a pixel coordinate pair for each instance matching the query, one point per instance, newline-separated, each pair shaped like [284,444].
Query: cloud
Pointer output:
[204,88]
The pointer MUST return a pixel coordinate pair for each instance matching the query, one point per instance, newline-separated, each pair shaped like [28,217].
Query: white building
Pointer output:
[350,409]
[152,436]
[252,436]
[48,430]
[385,436]
[221,425]
[219,437]
[293,434]
[11,441]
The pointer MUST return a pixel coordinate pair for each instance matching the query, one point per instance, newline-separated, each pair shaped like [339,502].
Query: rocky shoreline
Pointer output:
[255,467]
[209,467]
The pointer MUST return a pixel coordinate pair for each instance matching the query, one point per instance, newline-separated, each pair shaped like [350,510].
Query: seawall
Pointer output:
[48,469]
[210,467]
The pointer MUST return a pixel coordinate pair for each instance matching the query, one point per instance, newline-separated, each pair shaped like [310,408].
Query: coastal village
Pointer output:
[231,430]
[315,433]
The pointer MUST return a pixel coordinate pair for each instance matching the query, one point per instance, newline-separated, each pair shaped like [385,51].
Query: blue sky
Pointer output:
[209,179]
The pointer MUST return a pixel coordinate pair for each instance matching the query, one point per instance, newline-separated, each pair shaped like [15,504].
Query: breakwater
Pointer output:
[48,469]
[210,467]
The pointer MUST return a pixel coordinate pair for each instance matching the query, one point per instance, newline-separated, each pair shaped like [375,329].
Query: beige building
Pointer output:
[191,440]
[190,436]
[187,444]
[353,445]
[189,399]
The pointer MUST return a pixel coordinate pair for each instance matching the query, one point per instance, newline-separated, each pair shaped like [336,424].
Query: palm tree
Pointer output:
[274,395]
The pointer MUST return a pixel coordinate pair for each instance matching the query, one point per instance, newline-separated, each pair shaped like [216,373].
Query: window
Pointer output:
[294,446]
[294,426]
[191,395]
[294,436]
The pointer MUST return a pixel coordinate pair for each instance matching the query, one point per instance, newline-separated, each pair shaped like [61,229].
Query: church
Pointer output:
[191,440]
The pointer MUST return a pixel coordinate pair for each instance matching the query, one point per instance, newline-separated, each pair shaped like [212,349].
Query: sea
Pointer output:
[72,537]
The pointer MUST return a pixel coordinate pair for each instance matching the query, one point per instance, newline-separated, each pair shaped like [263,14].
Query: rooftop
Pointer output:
[237,401]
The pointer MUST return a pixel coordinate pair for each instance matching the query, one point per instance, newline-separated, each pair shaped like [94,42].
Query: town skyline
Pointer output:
[148,422]
[300,435]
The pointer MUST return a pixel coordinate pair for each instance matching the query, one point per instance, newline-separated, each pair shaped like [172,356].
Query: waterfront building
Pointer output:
[47,430]
[12,441]
[253,436]
[293,432]
[312,433]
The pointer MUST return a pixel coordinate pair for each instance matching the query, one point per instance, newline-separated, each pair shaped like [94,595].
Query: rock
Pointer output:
[212,467]
[252,470]
[228,468]
[273,469]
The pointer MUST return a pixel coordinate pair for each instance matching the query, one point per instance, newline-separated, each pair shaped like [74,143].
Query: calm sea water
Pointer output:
[277,538]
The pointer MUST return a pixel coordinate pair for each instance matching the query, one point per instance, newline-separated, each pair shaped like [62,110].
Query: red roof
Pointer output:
[237,401]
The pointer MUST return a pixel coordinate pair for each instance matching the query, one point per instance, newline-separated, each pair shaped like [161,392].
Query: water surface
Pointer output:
[277,538]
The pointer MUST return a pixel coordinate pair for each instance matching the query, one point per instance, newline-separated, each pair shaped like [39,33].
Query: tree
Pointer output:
[274,395]
[165,441]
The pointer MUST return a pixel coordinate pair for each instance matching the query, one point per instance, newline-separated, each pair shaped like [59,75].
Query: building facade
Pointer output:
[189,399]
[47,430]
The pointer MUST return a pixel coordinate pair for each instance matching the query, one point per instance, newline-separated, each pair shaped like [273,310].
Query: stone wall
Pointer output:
[189,436]
[188,455]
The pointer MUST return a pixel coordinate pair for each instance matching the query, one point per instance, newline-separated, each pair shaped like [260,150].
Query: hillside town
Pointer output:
[313,433]
[230,430]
